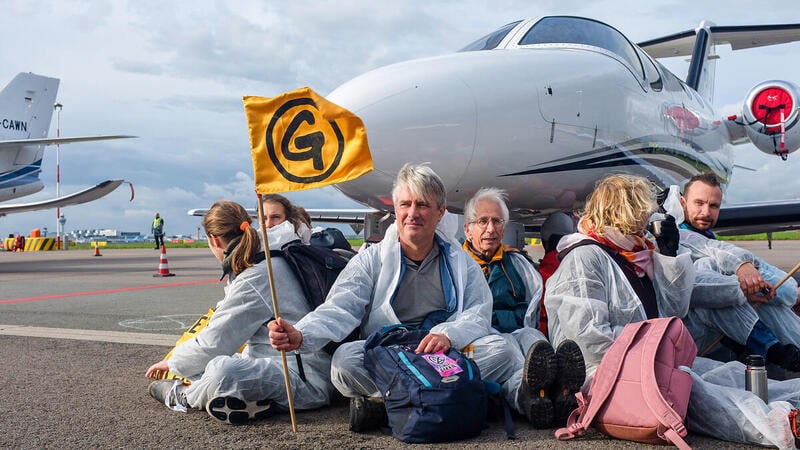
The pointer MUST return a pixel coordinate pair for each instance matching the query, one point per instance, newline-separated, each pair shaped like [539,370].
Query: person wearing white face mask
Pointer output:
[278,209]
[236,387]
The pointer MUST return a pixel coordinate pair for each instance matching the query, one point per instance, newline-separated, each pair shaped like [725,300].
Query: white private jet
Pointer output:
[26,108]
[544,108]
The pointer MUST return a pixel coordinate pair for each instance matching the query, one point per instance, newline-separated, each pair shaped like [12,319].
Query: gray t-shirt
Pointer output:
[420,291]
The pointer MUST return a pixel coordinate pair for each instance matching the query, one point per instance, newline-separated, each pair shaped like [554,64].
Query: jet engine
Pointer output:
[770,115]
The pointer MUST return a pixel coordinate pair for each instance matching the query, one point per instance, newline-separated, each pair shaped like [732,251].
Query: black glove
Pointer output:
[667,236]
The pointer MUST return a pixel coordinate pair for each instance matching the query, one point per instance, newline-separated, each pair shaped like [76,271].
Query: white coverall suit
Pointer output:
[718,303]
[210,361]
[361,298]
[589,300]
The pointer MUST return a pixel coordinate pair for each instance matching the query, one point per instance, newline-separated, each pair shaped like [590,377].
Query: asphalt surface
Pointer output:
[78,331]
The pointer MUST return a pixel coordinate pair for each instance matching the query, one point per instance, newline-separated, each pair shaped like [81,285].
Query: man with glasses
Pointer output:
[544,380]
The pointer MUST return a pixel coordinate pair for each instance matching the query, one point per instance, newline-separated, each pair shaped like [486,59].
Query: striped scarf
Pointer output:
[636,249]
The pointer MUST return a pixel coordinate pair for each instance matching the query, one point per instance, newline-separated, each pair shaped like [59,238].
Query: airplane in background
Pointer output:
[546,107]
[26,108]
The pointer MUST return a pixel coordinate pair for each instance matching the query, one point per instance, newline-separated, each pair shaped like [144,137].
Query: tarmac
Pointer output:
[78,331]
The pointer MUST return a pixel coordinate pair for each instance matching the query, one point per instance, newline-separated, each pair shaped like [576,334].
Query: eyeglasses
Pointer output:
[483,222]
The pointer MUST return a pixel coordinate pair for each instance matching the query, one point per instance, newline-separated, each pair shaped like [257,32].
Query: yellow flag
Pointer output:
[299,140]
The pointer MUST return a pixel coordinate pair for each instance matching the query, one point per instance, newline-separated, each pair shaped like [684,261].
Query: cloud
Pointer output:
[174,73]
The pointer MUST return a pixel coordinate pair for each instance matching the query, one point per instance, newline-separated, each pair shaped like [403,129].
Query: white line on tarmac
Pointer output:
[167,340]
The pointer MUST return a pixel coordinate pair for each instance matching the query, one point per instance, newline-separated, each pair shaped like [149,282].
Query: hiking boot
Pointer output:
[538,375]
[235,411]
[170,393]
[367,414]
[571,375]
[786,356]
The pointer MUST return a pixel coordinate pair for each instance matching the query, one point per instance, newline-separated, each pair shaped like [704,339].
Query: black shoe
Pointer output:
[786,356]
[571,375]
[169,393]
[538,375]
[367,414]
[235,411]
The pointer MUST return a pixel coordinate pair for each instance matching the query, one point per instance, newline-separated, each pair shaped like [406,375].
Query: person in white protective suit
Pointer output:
[726,277]
[543,388]
[278,209]
[417,275]
[589,299]
[236,387]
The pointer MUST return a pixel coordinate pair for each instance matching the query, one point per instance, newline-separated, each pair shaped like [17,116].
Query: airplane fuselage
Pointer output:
[543,122]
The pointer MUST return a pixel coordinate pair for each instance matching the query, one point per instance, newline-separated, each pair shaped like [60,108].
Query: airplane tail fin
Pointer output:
[26,106]
[700,42]
[703,64]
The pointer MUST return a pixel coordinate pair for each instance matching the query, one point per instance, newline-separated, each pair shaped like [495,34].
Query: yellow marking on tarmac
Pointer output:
[119,337]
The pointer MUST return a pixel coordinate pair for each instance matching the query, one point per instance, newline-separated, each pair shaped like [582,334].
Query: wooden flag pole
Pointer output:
[341,143]
[783,280]
[276,312]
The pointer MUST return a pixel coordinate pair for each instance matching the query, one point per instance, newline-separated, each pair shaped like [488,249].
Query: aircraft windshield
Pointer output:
[491,40]
[576,30]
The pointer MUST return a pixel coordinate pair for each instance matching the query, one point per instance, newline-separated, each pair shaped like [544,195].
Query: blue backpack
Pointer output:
[428,397]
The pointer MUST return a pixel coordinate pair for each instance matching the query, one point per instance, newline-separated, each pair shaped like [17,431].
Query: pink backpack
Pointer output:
[638,393]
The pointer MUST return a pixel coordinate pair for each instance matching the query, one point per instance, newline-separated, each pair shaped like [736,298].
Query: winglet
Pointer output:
[84,196]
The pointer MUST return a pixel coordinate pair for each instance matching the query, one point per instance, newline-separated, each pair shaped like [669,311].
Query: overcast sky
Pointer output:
[174,73]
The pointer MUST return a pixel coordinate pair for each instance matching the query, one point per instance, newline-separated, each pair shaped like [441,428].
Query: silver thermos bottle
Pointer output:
[755,377]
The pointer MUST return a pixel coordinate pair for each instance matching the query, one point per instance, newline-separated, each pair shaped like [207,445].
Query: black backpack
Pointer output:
[316,268]
[331,238]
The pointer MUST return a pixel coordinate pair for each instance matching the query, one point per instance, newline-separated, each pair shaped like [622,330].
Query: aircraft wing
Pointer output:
[739,37]
[84,196]
[758,217]
[348,216]
[60,140]
[344,216]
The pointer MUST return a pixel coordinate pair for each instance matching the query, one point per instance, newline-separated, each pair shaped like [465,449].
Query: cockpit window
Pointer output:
[576,30]
[491,40]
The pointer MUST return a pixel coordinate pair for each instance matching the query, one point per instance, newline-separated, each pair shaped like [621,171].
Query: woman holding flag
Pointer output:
[236,387]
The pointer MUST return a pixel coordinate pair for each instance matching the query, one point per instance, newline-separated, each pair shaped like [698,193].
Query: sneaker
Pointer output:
[538,375]
[571,375]
[170,393]
[235,411]
[367,414]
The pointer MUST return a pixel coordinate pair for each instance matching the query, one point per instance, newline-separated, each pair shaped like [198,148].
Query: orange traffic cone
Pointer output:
[96,250]
[163,268]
